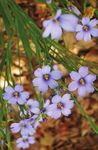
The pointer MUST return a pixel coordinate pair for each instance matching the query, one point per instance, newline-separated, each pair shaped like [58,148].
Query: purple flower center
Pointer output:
[16,94]
[56,21]
[86,28]
[46,77]
[82,81]
[43,110]
[60,105]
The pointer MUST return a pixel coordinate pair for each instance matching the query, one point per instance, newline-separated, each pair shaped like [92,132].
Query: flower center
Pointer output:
[43,110]
[85,28]
[28,107]
[25,140]
[82,81]
[23,125]
[46,77]
[60,105]
[16,94]
[56,21]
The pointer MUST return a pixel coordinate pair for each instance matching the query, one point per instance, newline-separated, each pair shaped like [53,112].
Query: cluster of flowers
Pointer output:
[55,108]
[85,28]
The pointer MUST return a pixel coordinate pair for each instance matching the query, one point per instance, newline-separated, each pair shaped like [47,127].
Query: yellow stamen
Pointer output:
[16,94]
[82,81]
[59,105]
[25,140]
[46,76]
[85,28]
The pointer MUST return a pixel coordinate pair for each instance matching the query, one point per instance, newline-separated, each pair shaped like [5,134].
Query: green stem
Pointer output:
[7,130]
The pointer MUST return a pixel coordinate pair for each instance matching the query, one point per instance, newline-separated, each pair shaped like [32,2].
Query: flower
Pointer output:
[44,109]
[24,127]
[87,29]
[37,110]
[35,121]
[74,10]
[24,141]
[54,26]
[60,105]
[45,77]
[15,94]
[82,80]
[33,106]
[48,1]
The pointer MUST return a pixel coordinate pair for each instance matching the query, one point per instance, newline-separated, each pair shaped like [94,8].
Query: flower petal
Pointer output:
[9,89]
[38,72]
[69,18]
[43,87]
[73,86]
[35,104]
[94,32]
[83,71]
[56,114]
[15,127]
[68,22]
[48,30]
[75,75]
[56,99]
[90,78]
[12,100]
[30,102]
[93,22]
[21,101]
[31,140]
[52,84]
[56,32]
[82,91]
[56,74]
[69,104]
[24,95]
[79,28]
[7,96]
[85,20]
[87,36]
[80,35]
[19,88]
[66,112]
[46,23]
[36,81]
[66,97]
[46,69]
[35,110]
[58,13]
[89,88]
[46,104]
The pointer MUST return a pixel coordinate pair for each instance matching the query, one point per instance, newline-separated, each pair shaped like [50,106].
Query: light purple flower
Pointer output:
[87,29]
[33,106]
[25,141]
[45,77]
[35,121]
[60,105]
[82,80]
[54,26]
[48,1]
[74,10]
[15,95]
[44,109]
[24,127]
